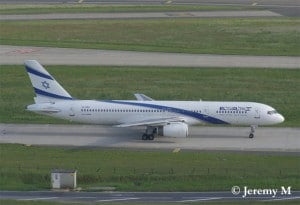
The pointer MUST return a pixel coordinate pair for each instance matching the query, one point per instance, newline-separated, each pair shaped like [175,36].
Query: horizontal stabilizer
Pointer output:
[42,107]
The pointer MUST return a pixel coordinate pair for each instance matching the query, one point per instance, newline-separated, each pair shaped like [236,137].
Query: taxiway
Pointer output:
[69,56]
[270,139]
[140,15]
[286,7]
[131,197]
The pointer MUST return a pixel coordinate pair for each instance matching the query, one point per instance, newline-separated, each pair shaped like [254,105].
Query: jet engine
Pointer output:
[175,129]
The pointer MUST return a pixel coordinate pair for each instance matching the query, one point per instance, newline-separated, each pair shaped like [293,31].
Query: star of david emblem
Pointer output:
[45,84]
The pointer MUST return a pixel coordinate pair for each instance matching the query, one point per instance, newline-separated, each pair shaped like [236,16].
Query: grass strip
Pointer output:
[28,168]
[276,87]
[252,36]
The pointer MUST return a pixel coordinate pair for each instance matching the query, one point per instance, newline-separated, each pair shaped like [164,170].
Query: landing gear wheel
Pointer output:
[144,137]
[150,133]
[151,137]
[252,131]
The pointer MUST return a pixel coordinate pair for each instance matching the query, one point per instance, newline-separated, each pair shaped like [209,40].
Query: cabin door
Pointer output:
[257,113]
[71,112]
[206,111]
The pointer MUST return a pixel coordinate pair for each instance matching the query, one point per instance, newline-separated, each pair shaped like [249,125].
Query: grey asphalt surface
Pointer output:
[68,56]
[201,138]
[286,7]
[128,197]
[140,15]
[278,3]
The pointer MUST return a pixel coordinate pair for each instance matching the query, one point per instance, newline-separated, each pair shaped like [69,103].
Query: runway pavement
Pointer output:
[132,197]
[68,56]
[201,138]
[140,15]
[286,7]
[266,3]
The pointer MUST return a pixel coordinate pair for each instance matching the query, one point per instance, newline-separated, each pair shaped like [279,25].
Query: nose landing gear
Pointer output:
[252,131]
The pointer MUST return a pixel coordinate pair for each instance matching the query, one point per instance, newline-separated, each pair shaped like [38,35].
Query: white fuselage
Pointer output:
[165,118]
[115,112]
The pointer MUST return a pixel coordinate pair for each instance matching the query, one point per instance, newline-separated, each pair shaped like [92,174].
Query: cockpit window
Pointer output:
[272,112]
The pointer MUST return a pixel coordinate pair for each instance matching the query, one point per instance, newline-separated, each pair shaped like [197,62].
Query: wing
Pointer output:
[152,122]
[142,97]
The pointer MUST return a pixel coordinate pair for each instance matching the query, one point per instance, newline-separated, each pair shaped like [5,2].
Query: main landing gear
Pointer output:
[251,135]
[150,134]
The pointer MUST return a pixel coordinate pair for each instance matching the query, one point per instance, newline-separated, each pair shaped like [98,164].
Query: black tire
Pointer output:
[151,137]
[144,137]
[251,136]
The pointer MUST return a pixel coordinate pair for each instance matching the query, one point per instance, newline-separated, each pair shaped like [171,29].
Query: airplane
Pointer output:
[159,118]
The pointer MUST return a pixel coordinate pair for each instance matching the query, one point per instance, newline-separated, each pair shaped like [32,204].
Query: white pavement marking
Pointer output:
[42,198]
[69,56]
[176,150]
[201,199]
[284,198]
[118,199]
[239,4]
[83,197]
[132,15]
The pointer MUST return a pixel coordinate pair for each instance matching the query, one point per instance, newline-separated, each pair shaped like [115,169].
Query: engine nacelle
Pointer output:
[175,129]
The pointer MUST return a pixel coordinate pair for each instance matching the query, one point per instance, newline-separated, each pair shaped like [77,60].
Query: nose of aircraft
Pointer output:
[280,118]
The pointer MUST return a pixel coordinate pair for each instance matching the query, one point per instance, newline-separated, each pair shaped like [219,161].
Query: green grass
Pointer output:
[252,36]
[87,8]
[276,87]
[28,168]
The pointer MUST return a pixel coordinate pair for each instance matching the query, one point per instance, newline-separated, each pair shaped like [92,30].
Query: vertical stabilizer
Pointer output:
[46,88]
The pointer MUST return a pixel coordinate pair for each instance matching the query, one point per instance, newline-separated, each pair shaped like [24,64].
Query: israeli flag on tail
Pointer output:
[46,88]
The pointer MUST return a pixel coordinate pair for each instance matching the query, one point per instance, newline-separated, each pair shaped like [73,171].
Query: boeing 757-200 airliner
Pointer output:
[164,118]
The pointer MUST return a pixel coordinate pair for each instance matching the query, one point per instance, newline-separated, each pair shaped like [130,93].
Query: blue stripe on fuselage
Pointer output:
[41,92]
[199,116]
[35,72]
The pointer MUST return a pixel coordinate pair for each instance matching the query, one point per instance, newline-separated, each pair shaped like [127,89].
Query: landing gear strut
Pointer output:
[150,133]
[251,135]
